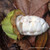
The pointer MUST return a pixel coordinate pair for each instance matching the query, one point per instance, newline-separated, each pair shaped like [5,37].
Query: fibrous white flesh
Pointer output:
[31,25]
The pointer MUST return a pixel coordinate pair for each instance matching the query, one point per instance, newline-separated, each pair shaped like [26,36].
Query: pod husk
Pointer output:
[41,41]
[13,21]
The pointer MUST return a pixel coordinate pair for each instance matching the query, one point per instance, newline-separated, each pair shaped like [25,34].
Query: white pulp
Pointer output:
[31,25]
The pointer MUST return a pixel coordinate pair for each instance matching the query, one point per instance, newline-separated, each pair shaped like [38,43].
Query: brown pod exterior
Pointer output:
[40,42]
[24,44]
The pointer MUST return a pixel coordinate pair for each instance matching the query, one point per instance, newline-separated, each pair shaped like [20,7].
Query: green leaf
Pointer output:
[7,26]
[13,36]
[10,14]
